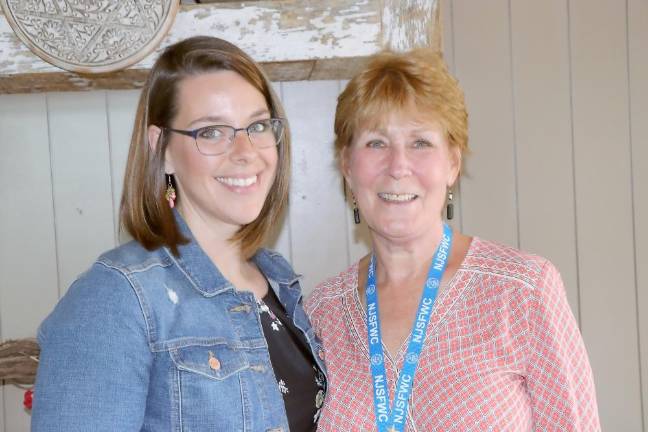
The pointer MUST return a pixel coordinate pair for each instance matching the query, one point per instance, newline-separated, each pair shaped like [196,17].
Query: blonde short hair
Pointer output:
[397,81]
[144,212]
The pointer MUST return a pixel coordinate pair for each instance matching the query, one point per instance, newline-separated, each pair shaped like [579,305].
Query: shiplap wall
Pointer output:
[558,104]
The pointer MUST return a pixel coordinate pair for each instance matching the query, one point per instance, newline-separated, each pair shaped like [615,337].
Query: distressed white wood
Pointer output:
[638,64]
[27,247]
[316,207]
[310,39]
[82,181]
[120,106]
[483,66]
[604,207]
[410,23]
[345,28]
[543,136]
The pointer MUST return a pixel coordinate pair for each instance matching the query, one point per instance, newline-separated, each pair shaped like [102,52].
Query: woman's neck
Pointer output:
[214,239]
[400,261]
[214,236]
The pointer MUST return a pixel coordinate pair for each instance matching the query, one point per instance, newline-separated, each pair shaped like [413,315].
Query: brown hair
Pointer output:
[144,212]
[398,81]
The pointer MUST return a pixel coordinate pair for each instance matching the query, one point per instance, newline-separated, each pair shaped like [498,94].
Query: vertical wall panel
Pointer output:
[447,33]
[482,60]
[82,183]
[544,136]
[448,56]
[316,207]
[120,106]
[358,242]
[29,286]
[604,207]
[638,63]
[280,238]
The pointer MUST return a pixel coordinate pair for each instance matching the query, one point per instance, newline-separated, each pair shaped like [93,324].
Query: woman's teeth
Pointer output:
[397,197]
[239,182]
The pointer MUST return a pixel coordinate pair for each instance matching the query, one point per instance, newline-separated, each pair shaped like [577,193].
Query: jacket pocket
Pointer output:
[210,379]
[218,361]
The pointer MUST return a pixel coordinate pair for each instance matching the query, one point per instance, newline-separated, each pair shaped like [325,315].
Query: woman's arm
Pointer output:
[95,359]
[559,376]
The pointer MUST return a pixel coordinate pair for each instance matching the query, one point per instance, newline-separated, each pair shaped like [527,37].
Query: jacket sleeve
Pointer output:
[94,365]
[559,376]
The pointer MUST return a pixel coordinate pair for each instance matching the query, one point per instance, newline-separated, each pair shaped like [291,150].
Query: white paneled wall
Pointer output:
[558,104]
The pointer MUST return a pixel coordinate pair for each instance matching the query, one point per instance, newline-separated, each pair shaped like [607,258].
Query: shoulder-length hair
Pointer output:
[144,211]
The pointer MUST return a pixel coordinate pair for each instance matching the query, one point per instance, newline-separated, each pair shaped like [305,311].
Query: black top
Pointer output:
[299,378]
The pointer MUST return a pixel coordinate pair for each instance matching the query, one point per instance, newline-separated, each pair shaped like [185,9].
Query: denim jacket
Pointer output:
[145,341]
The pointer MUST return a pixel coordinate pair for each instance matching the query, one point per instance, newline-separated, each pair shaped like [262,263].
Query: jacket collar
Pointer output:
[207,278]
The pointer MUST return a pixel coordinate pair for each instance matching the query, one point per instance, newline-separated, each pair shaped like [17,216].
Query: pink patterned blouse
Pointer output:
[503,352]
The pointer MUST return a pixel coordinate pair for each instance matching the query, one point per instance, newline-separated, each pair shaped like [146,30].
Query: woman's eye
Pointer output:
[376,144]
[258,127]
[210,133]
[421,143]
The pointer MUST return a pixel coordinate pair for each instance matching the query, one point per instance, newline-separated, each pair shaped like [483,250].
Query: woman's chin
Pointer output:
[397,231]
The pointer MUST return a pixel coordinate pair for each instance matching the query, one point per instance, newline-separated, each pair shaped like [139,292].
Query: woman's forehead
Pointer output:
[414,118]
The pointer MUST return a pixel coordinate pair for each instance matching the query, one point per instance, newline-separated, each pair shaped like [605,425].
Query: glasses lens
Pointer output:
[266,133]
[214,140]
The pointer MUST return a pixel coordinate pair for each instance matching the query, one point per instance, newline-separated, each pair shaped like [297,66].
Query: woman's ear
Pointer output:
[154,134]
[344,164]
[154,137]
[455,165]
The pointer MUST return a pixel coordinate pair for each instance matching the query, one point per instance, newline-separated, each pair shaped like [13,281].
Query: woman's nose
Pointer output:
[399,162]
[242,147]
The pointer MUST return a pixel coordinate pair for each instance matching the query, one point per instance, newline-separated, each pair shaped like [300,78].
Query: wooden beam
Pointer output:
[292,39]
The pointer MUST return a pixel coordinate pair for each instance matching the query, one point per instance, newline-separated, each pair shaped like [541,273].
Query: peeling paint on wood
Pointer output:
[294,39]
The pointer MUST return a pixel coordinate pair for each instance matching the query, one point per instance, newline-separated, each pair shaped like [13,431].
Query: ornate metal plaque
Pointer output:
[91,36]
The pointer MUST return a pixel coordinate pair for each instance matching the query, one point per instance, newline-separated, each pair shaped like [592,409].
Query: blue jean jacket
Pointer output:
[144,341]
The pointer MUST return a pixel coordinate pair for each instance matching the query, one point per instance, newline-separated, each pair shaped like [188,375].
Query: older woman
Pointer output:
[192,326]
[435,330]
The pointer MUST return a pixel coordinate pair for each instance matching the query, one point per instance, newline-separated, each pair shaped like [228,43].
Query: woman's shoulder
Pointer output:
[107,282]
[333,288]
[506,261]
[275,266]
[132,256]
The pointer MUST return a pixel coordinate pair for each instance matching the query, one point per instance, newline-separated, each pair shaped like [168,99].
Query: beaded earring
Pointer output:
[170,193]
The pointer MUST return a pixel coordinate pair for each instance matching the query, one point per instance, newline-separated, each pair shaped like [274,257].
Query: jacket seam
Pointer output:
[150,331]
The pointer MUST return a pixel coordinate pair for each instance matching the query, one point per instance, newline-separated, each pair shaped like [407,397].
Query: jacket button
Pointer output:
[214,363]
[320,354]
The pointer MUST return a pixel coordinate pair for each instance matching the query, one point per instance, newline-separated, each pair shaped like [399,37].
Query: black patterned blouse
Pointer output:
[299,378]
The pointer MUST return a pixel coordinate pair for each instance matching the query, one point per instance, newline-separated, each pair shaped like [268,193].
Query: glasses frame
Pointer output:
[193,133]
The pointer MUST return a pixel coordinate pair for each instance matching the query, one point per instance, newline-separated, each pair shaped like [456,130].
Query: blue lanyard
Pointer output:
[395,420]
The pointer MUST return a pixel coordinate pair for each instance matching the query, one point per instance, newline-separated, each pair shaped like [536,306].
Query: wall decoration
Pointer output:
[90,36]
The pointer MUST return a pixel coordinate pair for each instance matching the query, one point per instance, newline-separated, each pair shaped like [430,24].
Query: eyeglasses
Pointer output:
[218,139]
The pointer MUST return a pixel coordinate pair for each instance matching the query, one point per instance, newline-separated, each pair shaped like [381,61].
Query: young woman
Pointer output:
[191,326]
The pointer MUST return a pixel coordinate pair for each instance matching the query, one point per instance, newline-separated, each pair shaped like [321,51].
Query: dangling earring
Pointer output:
[449,206]
[170,193]
[356,212]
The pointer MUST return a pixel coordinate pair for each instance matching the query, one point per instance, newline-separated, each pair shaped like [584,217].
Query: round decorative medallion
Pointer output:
[91,36]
